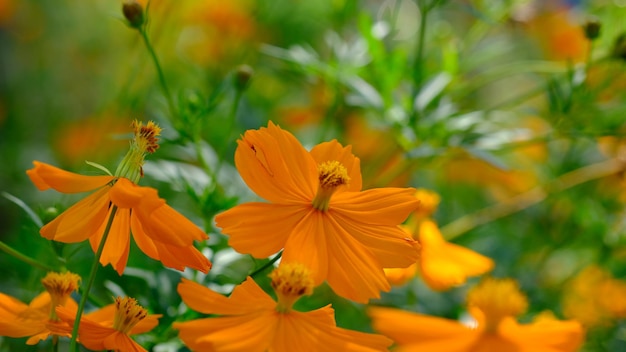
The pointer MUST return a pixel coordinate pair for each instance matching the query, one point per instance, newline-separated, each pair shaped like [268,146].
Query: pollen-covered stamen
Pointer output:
[127,314]
[332,175]
[291,281]
[497,299]
[60,286]
[146,136]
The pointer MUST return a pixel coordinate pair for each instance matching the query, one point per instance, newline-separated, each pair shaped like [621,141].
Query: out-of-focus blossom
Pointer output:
[493,304]
[595,298]
[38,320]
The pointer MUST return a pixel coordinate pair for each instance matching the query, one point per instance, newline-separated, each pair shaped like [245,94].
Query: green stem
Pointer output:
[90,280]
[26,259]
[266,265]
[157,65]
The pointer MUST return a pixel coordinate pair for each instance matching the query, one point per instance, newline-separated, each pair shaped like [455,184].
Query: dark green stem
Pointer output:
[157,65]
[26,259]
[90,280]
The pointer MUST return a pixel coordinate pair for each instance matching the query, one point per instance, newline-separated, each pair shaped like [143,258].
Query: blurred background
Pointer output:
[513,112]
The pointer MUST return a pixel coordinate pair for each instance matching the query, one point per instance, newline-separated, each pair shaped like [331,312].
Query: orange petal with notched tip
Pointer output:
[46,176]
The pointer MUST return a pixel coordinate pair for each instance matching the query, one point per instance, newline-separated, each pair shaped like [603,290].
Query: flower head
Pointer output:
[38,320]
[494,304]
[110,327]
[250,320]
[158,230]
[318,213]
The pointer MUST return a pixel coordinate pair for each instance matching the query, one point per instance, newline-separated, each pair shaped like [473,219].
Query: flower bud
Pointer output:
[592,29]
[133,11]
[242,78]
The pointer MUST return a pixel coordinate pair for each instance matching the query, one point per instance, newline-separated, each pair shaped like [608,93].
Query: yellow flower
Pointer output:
[38,320]
[493,304]
[110,327]
[318,213]
[158,230]
[252,321]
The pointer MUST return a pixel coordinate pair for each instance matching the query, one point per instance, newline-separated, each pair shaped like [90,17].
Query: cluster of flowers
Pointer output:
[328,229]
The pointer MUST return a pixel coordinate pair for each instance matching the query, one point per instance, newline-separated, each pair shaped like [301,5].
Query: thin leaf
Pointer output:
[20,203]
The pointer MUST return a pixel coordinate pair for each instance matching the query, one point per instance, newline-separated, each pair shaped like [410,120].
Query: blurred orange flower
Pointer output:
[84,139]
[160,231]
[559,35]
[493,304]
[38,320]
[252,321]
[595,298]
[110,327]
[443,264]
[318,213]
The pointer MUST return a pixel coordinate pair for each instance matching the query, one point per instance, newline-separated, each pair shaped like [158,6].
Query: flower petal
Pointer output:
[119,341]
[545,335]
[443,264]
[260,229]
[250,332]
[275,165]
[46,176]
[245,298]
[332,150]
[356,273]
[382,206]
[117,246]
[307,245]
[79,221]
[408,328]
[392,246]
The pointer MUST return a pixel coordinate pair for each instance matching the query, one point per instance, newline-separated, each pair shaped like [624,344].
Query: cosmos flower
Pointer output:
[110,327]
[318,213]
[38,320]
[493,304]
[158,230]
[250,320]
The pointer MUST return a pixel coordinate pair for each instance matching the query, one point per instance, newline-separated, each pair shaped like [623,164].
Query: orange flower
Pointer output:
[443,264]
[494,304]
[595,298]
[159,231]
[38,320]
[110,327]
[253,321]
[318,213]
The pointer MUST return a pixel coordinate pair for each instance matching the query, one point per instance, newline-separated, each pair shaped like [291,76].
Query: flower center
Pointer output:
[497,299]
[127,314]
[145,141]
[59,286]
[332,175]
[291,281]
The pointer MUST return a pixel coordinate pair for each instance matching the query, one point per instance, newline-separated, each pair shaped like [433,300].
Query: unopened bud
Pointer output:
[592,29]
[133,11]
[242,77]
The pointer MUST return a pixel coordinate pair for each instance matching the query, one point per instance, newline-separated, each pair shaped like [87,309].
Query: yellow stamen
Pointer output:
[497,299]
[332,175]
[291,281]
[127,314]
[145,141]
[60,286]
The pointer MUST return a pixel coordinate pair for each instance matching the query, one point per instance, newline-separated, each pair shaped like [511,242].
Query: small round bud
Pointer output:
[592,29]
[242,78]
[133,11]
